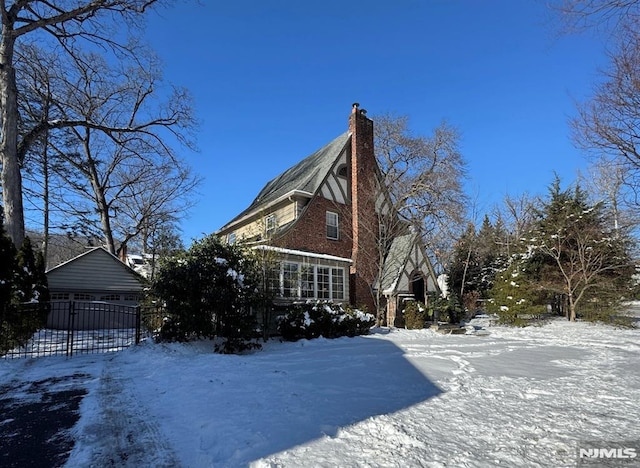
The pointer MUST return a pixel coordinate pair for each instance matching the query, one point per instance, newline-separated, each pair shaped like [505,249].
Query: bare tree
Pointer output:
[579,15]
[112,149]
[419,190]
[607,181]
[65,22]
[423,174]
[608,125]
[518,214]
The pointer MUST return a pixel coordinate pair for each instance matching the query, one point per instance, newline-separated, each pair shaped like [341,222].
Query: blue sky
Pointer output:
[274,80]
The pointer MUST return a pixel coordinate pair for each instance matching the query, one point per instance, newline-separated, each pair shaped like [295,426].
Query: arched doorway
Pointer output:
[417,286]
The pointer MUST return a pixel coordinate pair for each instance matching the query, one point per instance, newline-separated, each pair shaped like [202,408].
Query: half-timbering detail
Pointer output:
[320,221]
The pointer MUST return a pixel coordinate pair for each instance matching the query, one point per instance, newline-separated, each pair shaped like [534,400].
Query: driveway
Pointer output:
[35,420]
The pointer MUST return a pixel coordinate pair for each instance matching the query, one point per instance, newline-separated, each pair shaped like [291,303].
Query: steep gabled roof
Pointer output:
[304,177]
[395,261]
[95,269]
[401,253]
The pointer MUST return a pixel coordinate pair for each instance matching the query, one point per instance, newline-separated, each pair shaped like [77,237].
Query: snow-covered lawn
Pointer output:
[515,397]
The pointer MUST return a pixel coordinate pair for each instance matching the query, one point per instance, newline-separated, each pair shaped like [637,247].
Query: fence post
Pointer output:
[138,324]
[71,321]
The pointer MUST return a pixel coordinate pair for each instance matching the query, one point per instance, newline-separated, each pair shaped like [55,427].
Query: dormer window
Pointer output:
[332,225]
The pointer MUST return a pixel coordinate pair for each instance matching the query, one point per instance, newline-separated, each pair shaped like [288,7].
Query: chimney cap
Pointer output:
[355,106]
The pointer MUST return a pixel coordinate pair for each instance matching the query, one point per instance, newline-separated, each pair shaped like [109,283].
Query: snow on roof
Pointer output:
[303,253]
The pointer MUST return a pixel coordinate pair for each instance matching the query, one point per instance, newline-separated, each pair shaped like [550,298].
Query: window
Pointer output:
[131,297]
[337,284]
[110,297]
[290,279]
[273,281]
[84,297]
[231,238]
[332,225]
[307,282]
[59,296]
[342,171]
[270,224]
[303,281]
[324,283]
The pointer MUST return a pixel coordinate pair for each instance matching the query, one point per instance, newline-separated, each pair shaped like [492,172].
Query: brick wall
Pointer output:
[358,223]
[309,233]
[363,191]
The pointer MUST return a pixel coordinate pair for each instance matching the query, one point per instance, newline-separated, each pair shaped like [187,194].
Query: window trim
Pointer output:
[270,224]
[333,273]
[336,226]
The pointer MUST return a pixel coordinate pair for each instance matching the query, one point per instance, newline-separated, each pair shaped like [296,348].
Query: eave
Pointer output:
[264,208]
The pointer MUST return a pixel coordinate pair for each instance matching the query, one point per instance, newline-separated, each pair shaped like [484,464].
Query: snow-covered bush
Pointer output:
[514,295]
[208,292]
[327,319]
[416,315]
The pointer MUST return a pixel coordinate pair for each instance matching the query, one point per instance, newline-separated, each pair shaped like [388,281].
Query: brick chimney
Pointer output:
[363,217]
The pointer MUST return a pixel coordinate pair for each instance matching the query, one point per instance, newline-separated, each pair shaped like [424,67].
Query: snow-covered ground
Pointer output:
[395,398]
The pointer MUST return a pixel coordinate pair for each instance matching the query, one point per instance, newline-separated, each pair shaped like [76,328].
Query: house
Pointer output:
[94,276]
[320,220]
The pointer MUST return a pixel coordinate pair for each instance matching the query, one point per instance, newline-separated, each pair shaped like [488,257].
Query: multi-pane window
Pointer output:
[324,284]
[84,297]
[294,280]
[273,281]
[59,296]
[337,284]
[290,279]
[332,225]
[231,238]
[307,282]
[110,297]
[270,224]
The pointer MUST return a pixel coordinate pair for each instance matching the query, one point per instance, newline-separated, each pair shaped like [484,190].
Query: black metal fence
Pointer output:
[72,327]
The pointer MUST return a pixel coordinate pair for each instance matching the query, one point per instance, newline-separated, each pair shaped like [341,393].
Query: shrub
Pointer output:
[315,319]
[208,292]
[415,315]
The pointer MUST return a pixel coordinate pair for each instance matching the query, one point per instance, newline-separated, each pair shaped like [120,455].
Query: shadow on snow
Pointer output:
[310,390]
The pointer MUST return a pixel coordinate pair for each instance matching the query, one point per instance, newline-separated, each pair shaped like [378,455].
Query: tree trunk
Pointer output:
[105,222]
[572,309]
[11,178]
[45,195]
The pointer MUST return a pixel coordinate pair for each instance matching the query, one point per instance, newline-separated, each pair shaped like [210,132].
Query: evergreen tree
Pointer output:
[477,257]
[464,270]
[30,281]
[24,279]
[208,291]
[577,254]
[7,265]
[486,243]
[41,289]
[513,293]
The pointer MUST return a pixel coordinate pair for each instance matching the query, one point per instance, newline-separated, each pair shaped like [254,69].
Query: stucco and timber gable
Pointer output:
[320,218]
